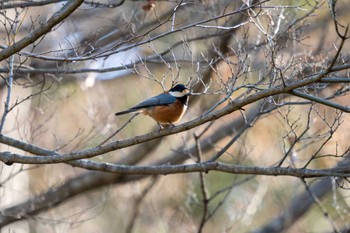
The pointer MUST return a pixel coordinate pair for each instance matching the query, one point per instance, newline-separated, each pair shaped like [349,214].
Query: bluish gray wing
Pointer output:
[162,99]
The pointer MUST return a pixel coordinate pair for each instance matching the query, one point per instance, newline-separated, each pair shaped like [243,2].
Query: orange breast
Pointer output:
[167,114]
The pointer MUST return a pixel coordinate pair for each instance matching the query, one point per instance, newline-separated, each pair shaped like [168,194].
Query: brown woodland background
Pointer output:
[263,146]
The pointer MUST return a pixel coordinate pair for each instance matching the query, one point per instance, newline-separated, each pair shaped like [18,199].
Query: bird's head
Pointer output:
[179,91]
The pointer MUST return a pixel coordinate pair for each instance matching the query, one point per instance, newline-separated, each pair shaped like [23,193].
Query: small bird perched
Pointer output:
[167,108]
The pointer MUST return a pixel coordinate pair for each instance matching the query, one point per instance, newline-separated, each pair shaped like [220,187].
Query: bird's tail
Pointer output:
[125,112]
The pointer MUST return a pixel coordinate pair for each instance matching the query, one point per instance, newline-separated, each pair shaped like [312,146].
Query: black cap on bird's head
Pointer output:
[179,88]
[180,92]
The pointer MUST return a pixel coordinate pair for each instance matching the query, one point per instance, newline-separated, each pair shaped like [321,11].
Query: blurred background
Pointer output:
[110,55]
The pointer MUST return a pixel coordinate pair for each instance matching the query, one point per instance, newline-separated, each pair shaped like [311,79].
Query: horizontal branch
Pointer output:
[26,4]
[217,166]
[210,166]
[129,66]
[335,79]
[37,70]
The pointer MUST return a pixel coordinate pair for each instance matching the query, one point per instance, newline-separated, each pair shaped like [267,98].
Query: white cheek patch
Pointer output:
[177,94]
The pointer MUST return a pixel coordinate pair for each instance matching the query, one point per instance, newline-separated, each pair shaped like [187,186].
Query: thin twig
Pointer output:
[118,130]
[137,204]
[322,208]
[43,29]
[146,41]
[9,91]
[297,138]
[203,187]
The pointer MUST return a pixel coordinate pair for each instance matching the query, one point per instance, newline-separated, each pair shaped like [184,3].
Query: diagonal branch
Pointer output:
[300,204]
[320,100]
[231,107]
[43,29]
[109,52]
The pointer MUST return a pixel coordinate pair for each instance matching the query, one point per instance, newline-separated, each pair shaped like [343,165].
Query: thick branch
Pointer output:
[43,29]
[216,166]
[54,196]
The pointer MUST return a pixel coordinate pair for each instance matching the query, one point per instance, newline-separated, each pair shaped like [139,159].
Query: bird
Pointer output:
[166,108]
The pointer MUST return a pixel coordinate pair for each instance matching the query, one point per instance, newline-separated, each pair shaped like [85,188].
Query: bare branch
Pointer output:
[206,167]
[320,100]
[322,208]
[9,82]
[300,204]
[43,29]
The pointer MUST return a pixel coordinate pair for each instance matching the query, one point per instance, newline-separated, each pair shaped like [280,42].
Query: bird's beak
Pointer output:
[187,91]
